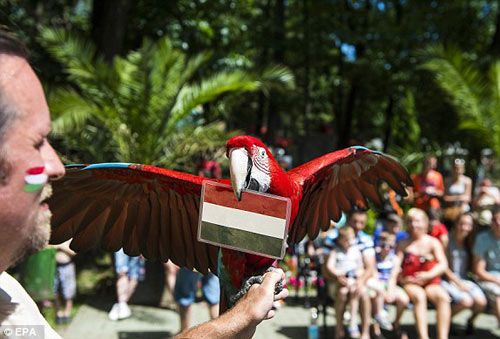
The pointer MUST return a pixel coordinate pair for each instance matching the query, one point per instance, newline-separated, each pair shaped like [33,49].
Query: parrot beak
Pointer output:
[239,166]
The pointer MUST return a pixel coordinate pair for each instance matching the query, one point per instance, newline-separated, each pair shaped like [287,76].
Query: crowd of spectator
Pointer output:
[444,252]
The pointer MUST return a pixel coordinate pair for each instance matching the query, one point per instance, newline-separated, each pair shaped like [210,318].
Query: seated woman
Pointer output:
[464,293]
[421,261]
[457,193]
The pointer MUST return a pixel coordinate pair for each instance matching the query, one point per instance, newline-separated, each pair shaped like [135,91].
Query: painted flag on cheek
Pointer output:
[35,179]
[257,224]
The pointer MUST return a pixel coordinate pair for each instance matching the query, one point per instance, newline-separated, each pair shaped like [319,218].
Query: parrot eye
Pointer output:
[263,154]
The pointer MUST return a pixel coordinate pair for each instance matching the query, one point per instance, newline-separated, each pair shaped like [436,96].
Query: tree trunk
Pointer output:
[495,42]
[346,133]
[109,24]
[389,117]
[278,58]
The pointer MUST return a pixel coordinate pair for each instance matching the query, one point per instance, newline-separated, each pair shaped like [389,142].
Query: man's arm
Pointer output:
[370,266]
[242,320]
[479,268]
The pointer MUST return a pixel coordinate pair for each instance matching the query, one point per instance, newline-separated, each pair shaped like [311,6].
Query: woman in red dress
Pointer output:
[420,262]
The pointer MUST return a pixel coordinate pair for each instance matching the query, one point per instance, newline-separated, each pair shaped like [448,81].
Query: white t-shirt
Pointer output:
[17,307]
[347,261]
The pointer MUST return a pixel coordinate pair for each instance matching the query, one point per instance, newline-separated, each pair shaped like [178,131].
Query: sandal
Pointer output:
[354,332]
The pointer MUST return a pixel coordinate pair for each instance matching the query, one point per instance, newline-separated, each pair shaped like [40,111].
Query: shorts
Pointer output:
[186,286]
[134,266]
[457,295]
[65,280]
[491,289]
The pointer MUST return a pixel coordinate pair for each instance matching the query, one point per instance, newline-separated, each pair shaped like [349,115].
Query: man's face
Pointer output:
[358,221]
[392,226]
[30,158]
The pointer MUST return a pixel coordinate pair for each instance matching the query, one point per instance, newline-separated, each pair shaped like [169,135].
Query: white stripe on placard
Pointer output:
[36,179]
[244,220]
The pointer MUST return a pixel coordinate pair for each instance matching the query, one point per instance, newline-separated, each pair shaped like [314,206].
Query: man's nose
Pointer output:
[53,165]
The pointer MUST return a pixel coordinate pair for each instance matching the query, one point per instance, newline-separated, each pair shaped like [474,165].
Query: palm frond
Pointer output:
[459,78]
[70,111]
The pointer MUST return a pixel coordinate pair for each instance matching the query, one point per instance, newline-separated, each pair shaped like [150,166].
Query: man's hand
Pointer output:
[258,302]
[241,321]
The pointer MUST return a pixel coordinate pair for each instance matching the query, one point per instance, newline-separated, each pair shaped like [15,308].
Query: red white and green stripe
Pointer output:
[35,179]
[256,224]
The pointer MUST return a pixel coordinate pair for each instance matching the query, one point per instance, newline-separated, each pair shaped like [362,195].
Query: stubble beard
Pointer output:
[40,235]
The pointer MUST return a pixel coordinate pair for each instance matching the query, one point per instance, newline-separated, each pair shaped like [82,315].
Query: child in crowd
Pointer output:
[436,228]
[385,256]
[344,265]
[65,282]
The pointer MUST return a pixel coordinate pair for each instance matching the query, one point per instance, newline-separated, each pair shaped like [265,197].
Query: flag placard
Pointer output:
[257,224]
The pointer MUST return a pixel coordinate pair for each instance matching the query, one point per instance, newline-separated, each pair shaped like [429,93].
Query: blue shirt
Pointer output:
[488,248]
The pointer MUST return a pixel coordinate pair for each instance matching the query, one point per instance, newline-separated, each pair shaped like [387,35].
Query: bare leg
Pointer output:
[377,305]
[375,301]
[132,284]
[366,314]
[185,313]
[441,300]
[354,305]
[69,306]
[465,303]
[57,305]
[496,308]
[418,298]
[170,274]
[122,287]
[478,308]
[340,301]
[401,301]
[213,310]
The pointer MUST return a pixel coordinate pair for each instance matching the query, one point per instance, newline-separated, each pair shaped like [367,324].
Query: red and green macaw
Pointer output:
[154,212]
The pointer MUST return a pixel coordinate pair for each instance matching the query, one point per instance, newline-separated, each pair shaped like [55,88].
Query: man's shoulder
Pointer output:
[364,237]
[484,237]
[18,308]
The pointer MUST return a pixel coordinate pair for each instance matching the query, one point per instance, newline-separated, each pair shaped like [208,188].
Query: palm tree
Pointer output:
[140,107]
[474,94]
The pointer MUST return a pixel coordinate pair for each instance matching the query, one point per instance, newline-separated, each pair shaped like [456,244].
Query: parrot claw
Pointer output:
[257,279]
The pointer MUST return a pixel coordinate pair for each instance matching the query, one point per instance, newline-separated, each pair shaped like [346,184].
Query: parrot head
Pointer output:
[251,164]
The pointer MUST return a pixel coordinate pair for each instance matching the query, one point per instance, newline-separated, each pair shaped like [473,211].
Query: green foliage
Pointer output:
[473,93]
[142,107]
[356,65]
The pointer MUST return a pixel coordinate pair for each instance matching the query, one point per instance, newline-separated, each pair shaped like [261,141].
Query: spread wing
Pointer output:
[338,182]
[144,209]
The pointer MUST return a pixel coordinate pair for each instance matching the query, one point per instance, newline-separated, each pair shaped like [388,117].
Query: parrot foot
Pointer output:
[256,279]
